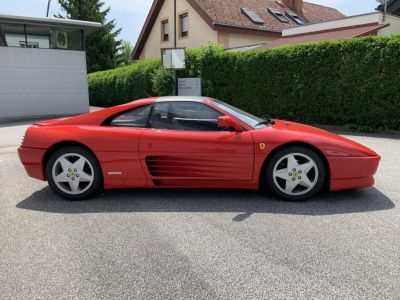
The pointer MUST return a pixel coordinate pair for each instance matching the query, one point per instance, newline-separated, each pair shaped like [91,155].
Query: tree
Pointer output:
[101,46]
[125,54]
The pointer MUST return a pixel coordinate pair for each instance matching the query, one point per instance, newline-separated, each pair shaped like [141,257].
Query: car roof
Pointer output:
[182,98]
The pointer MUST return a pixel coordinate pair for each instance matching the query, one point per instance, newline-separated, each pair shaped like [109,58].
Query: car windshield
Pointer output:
[243,116]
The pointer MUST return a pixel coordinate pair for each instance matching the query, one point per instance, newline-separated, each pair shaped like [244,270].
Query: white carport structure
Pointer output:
[43,67]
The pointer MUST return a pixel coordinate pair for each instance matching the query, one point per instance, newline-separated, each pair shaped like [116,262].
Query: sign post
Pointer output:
[173,59]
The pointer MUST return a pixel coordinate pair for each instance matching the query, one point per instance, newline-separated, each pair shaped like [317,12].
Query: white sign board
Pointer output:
[173,58]
[189,87]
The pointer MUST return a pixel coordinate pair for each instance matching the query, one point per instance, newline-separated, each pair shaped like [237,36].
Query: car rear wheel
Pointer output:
[295,173]
[74,173]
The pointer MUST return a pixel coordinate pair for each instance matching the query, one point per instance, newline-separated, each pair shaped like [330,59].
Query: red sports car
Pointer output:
[191,142]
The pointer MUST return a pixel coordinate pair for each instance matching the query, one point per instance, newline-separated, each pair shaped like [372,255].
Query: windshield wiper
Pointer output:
[265,122]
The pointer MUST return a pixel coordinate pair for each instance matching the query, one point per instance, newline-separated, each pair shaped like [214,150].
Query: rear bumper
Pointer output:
[352,172]
[32,160]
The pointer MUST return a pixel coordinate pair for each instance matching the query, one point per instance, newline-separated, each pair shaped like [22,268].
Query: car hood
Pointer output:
[329,143]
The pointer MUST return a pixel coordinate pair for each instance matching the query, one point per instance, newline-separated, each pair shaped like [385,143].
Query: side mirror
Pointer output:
[227,122]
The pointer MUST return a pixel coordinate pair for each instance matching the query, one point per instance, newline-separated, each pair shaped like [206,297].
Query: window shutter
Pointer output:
[165,27]
[185,23]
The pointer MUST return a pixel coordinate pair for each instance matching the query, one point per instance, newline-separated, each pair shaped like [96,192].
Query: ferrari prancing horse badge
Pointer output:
[262,146]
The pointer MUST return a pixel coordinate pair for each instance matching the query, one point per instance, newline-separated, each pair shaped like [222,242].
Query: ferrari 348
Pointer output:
[191,142]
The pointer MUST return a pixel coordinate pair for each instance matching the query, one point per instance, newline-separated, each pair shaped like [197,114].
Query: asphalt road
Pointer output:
[198,244]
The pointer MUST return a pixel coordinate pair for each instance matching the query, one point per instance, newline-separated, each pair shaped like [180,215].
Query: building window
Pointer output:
[252,15]
[184,25]
[13,34]
[66,38]
[32,36]
[295,18]
[37,37]
[277,14]
[165,30]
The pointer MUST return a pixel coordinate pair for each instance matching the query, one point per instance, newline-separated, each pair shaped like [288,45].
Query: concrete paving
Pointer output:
[198,244]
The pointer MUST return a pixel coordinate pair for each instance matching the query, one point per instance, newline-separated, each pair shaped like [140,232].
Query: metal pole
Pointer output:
[175,45]
[48,8]
[176,82]
[26,36]
[83,39]
[174,23]
[384,11]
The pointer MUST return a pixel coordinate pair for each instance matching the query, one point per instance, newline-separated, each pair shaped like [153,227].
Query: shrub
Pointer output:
[163,82]
[354,81]
[139,80]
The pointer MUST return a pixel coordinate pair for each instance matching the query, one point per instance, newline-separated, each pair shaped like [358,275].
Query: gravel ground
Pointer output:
[198,244]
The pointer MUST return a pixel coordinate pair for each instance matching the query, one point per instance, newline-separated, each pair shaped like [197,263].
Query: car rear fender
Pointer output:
[63,144]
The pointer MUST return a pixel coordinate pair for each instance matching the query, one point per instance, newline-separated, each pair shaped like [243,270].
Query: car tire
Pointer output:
[295,173]
[74,173]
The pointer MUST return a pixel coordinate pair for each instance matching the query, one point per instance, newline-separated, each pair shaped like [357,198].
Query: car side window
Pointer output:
[188,116]
[137,117]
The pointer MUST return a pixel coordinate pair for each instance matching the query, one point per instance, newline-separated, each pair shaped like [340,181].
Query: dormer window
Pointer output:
[295,18]
[277,14]
[252,15]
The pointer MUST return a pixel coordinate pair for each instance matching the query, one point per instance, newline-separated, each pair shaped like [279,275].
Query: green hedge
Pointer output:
[352,82]
[139,80]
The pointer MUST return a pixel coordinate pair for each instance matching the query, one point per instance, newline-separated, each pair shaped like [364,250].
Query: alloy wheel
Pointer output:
[73,173]
[295,174]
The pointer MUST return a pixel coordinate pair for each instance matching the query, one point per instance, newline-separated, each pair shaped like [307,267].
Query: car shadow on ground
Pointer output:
[244,202]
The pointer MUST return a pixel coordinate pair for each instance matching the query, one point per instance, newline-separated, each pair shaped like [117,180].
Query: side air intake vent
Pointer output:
[188,168]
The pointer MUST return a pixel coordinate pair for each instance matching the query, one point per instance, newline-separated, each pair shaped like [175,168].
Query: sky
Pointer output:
[131,14]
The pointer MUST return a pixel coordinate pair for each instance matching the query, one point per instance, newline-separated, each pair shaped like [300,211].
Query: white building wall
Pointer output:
[394,27]
[42,82]
[199,31]
[240,40]
[375,17]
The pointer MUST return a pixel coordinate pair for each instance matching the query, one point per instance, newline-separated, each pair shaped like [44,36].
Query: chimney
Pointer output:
[295,6]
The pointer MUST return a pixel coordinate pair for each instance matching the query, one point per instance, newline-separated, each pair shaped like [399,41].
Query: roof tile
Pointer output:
[229,13]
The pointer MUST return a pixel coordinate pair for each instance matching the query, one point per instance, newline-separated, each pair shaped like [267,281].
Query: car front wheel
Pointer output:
[74,173]
[295,173]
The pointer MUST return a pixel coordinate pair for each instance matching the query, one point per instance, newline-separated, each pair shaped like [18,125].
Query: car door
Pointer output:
[184,142]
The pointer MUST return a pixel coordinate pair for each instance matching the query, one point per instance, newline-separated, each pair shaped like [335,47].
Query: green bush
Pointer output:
[139,80]
[353,82]
[163,82]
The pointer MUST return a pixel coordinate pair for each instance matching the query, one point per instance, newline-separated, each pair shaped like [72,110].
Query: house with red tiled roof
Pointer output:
[230,23]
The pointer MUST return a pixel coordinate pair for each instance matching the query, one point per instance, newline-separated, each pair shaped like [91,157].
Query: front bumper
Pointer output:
[32,160]
[352,172]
